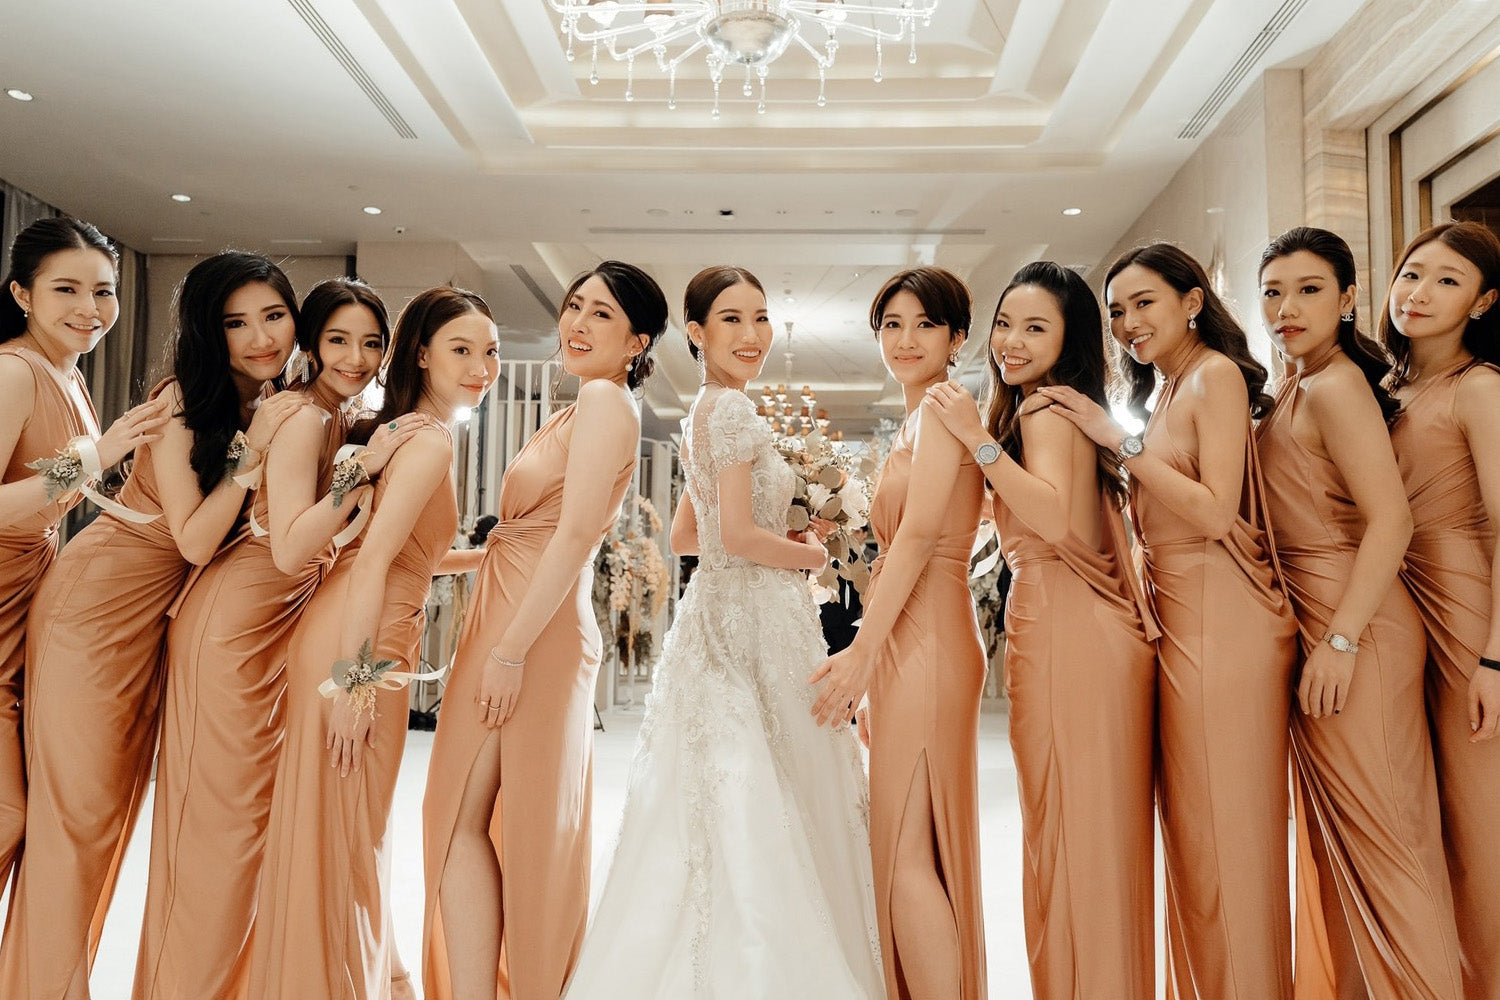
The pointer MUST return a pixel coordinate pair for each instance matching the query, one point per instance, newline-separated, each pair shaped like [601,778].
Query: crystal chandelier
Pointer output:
[748,33]
[790,415]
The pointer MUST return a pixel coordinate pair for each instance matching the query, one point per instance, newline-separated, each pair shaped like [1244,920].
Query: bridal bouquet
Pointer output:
[837,488]
[632,580]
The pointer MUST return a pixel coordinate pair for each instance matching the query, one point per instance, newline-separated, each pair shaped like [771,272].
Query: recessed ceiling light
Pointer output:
[1072,211]
[18,94]
[1216,210]
[790,300]
[184,198]
[371,210]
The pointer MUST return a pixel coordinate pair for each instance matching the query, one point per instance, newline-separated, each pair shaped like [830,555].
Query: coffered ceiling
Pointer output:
[463,121]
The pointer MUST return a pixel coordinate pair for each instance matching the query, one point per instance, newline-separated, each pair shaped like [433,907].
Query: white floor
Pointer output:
[1000,823]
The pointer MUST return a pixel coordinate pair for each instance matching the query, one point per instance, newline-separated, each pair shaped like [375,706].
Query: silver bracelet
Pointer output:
[513,664]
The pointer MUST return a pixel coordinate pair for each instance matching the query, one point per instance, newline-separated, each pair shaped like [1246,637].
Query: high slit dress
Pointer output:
[1365,776]
[221,735]
[95,670]
[1224,693]
[322,929]
[62,411]
[924,716]
[541,828]
[1080,672]
[1449,571]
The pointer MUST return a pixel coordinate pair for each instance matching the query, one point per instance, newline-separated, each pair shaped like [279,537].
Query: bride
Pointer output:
[742,867]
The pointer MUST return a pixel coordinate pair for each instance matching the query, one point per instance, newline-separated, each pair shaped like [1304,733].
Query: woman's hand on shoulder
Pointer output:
[389,437]
[1085,414]
[953,405]
[137,426]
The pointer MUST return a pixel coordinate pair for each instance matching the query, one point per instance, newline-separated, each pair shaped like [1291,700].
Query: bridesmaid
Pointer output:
[506,818]
[323,929]
[1360,741]
[56,303]
[1083,701]
[1228,641]
[1443,328]
[226,647]
[919,656]
[94,646]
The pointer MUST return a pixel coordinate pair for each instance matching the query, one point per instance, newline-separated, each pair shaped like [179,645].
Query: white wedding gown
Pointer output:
[742,869]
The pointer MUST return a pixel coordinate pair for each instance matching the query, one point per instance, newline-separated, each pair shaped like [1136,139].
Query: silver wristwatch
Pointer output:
[987,453]
[1341,643]
[1132,446]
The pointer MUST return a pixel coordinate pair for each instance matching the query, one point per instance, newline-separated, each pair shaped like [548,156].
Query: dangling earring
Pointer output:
[1192,322]
[1348,317]
[305,369]
[953,359]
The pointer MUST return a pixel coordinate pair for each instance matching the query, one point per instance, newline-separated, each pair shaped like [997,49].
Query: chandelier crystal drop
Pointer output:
[730,33]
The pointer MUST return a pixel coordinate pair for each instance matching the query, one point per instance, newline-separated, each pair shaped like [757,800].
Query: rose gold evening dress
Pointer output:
[61,412]
[1224,687]
[1080,671]
[1365,775]
[323,928]
[924,715]
[221,735]
[541,828]
[1449,571]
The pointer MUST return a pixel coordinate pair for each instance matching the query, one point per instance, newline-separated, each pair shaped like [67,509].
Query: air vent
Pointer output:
[335,45]
[1257,48]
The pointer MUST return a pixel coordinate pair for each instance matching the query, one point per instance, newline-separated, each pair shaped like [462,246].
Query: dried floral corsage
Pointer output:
[76,463]
[235,455]
[361,677]
[347,475]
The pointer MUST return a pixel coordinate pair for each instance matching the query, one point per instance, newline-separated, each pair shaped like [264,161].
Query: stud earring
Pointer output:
[1348,317]
[1476,314]
[952,359]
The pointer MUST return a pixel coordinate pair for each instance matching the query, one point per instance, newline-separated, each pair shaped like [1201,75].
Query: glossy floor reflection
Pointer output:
[1000,819]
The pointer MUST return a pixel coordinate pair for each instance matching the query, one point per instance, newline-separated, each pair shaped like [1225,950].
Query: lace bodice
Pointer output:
[724,430]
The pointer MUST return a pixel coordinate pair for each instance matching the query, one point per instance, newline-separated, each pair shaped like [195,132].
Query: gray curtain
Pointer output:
[19,211]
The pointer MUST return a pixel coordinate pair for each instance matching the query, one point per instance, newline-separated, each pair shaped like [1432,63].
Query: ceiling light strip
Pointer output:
[345,58]
[1253,53]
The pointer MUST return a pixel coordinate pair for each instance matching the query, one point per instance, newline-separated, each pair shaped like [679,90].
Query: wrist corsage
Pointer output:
[347,475]
[361,677]
[75,464]
[242,462]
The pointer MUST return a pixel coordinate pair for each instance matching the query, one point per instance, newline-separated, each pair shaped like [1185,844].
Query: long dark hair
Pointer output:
[944,297]
[706,287]
[423,316]
[31,247]
[327,298]
[1330,248]
[1081,365]
[200,352]
[1480,247]
[1216,327]
[643,302]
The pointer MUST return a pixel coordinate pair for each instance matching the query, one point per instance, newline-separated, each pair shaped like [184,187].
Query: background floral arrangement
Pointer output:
[631,581]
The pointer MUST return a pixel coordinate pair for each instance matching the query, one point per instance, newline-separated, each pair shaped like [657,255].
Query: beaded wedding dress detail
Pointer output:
[742,865]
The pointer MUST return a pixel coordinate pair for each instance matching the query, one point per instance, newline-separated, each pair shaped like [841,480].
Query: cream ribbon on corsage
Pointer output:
[59,473]
[362,676]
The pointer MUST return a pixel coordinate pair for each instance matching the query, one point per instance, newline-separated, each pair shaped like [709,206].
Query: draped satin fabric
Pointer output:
[924,716]
[1366,777]
[541,829]
[61,411]
[324,923]
[1080,671]
[1225,660]
[1449,571]
[94,675]
[221,736]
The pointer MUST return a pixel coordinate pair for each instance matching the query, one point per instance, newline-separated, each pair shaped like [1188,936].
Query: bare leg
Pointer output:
[922,921]
[401,986]
[472,908]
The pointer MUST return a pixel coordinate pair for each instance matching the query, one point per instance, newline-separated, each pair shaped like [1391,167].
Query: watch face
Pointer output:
[986,453]
[1132,446]
[1340,643]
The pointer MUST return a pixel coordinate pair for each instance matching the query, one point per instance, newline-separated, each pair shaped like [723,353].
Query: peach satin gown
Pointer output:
[95,669]
[1080,671]
[1224,684]
[221,735]
[924,717]
[62,411]
[323,927]
[542,820]
[1365,775]
[1449,571]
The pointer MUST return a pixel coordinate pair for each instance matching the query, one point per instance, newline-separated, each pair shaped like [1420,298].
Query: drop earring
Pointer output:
[1192,322]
